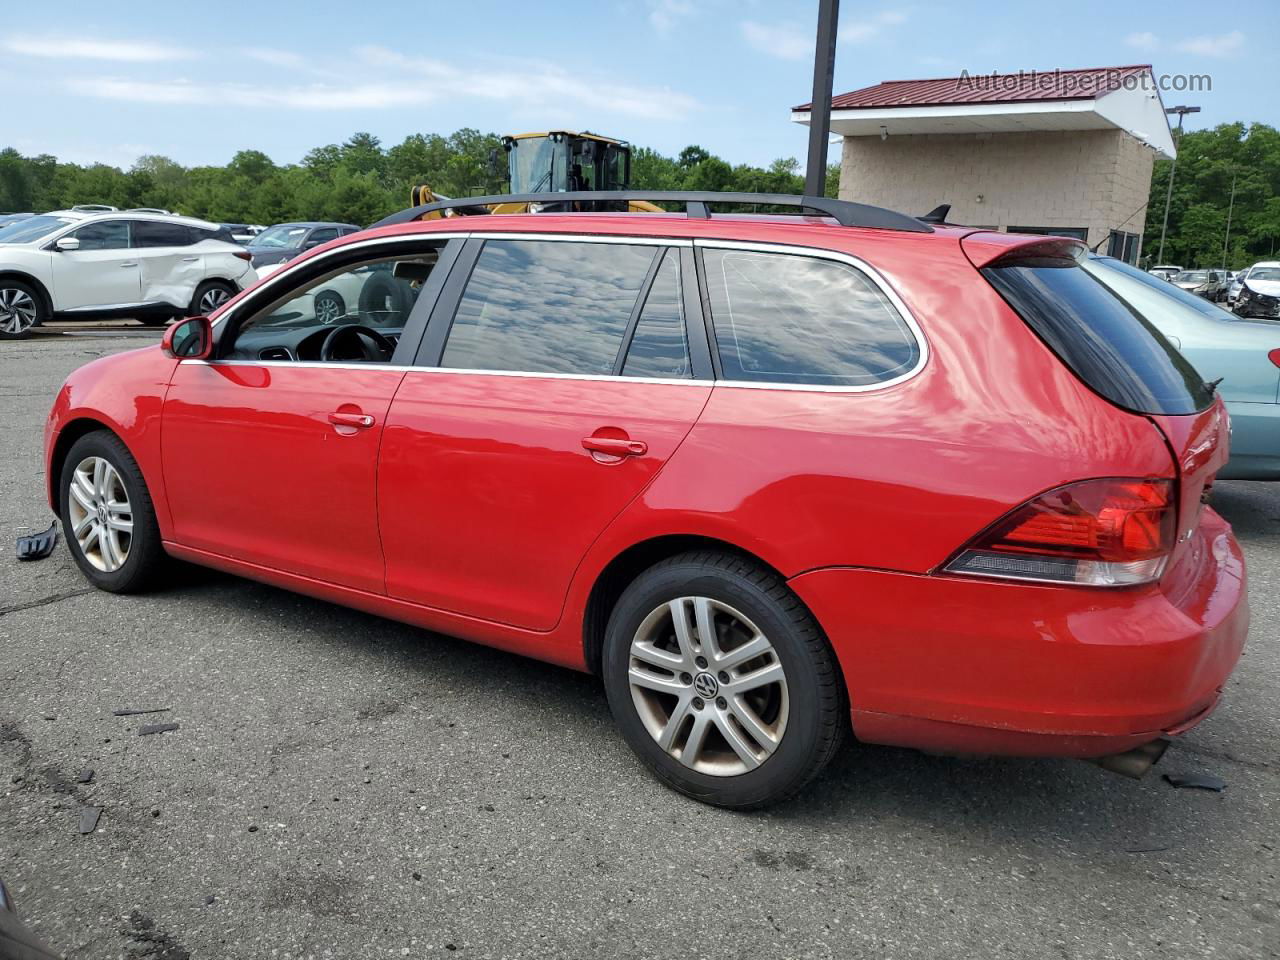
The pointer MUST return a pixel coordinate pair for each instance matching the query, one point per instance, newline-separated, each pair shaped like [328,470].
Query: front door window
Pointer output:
[355,315]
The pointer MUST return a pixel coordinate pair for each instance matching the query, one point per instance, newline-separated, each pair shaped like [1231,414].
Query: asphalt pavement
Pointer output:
[344,786]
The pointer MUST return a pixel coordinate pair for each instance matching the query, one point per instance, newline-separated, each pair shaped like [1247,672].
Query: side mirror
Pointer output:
[67,244]
[189,339]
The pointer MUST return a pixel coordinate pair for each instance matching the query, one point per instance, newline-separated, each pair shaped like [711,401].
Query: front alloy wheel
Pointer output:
[107,515]
[18,311]
[708,686]
[101,518]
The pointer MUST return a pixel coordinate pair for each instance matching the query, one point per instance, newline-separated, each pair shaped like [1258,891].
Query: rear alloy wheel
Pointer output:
[209,296]
[329,307]
[721,681]
[708,686]
[20,310]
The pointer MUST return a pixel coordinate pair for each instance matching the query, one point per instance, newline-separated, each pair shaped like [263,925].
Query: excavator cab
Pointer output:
[561,161]
[558,161]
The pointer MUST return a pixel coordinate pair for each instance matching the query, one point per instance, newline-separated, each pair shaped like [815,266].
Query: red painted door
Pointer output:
[492,487]
[275,464]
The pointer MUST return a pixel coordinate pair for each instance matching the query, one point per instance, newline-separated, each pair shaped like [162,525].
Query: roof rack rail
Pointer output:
[844,212]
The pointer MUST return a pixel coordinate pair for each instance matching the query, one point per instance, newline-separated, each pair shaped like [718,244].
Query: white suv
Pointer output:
[150,266]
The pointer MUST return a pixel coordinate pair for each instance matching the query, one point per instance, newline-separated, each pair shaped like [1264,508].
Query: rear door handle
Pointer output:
[351,420]
[128,264]
[615,447]
[190,259]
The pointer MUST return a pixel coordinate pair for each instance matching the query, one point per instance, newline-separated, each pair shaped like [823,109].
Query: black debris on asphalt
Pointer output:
[86,775]
[89,819]
[1199,781]
[150,728]
[138,713]
[37,546]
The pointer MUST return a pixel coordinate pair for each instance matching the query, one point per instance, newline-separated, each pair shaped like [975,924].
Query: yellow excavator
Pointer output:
[557,161]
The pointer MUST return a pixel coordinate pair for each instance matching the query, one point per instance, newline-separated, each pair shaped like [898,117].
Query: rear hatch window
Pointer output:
[1103,340]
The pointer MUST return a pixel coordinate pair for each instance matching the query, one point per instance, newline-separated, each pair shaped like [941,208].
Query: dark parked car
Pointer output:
[284,241]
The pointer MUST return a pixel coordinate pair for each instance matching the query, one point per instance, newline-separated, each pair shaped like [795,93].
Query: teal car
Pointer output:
[1244,354]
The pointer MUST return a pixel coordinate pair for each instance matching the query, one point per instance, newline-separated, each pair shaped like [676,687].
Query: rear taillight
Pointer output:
[1274,356]
[244,255]
[1101,533]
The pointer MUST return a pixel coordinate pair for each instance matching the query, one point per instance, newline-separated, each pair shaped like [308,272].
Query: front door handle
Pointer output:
[615,447]
[190,259]
[128,264]
[351,420]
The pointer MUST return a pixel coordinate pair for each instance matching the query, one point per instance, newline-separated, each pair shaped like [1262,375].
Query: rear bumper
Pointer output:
[1255,442]
[972,666]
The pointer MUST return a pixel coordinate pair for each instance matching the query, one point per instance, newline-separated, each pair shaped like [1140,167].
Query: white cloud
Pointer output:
[275,58]
[665,14]
[787,41]
[1208,46]
[317,96]
[1146,40]
[76,48]
[545,85]
[864,30]
[392,79]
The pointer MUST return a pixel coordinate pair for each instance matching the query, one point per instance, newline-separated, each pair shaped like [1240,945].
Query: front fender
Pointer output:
[125,394]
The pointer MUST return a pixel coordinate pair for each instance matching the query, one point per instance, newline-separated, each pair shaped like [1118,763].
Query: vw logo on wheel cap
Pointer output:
[706,686]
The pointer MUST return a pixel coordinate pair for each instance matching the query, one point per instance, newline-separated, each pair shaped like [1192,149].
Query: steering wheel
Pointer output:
[374,347]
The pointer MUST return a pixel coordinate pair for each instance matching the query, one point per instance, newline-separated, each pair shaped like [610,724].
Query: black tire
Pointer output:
[329,307]
[195,308]
[818,716]
[145,556]
[16,290]
[384,301]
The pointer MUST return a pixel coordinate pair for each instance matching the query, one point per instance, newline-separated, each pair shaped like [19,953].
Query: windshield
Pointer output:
[537,165]
[1264,273]
[1104,267]
[1191,276]
[281,237]
[33,228]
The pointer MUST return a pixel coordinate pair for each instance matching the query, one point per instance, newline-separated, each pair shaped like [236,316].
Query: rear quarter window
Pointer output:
[1100,337]
[795,319]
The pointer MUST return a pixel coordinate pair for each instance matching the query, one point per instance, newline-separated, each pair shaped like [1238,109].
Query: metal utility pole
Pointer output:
[1181,112]
[1230,209]
[824,67]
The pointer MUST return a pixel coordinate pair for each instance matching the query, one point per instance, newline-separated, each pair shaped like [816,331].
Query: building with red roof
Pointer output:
[1057,151]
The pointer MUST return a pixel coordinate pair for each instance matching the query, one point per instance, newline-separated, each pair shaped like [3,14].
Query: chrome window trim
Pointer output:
[346,248]
[857,263]
[789,249]
[402,368]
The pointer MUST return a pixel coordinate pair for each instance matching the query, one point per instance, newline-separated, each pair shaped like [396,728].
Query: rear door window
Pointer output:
[547,306]
[152,233]
[1109,345]
[794,319]
[659,347]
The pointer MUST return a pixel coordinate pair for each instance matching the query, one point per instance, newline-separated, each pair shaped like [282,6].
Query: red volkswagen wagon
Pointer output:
[775,478]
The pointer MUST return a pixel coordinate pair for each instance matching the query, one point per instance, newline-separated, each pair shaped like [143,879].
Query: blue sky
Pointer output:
[197,82]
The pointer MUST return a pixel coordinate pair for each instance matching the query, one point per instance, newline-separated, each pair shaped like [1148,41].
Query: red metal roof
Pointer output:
[1025,85]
